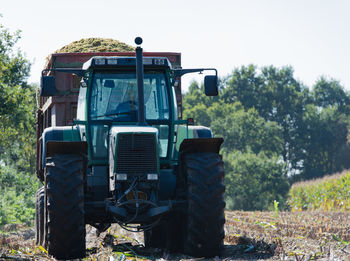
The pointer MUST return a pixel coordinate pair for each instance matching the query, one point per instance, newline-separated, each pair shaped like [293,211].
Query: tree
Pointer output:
[254,181]
[14,68]
[17,133]
[329,93]
[278,97]
[17,111]
[326,145]
[247,131]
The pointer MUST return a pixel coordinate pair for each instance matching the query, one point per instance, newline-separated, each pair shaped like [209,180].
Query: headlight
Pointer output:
[121,176]
[152,176]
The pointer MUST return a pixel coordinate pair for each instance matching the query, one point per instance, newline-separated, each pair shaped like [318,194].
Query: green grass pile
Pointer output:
[330,193]
[96,45]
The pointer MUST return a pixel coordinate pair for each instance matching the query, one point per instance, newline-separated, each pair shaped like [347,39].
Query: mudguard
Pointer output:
[66,147]
[59,140]
[200,145]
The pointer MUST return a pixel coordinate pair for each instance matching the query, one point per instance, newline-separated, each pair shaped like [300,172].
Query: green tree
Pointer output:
[17,133]
[254,181]
[278,97]
[17,111]
[326,145]
[247,131]
[329,93]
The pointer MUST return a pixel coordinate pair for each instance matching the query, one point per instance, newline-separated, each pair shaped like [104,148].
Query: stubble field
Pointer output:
[249,236]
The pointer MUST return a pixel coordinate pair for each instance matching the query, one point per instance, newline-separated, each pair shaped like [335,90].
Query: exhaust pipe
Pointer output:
[139,78]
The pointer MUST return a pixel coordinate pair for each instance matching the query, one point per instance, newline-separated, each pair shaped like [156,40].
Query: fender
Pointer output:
[58,140]
[66,147]
[200,145]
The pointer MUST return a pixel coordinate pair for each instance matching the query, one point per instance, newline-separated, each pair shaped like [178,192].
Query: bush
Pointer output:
[17,203]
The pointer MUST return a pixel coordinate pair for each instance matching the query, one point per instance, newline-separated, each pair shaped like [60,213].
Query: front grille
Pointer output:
[136,154]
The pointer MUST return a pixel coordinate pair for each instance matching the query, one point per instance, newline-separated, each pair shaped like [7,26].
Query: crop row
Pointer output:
[330,193]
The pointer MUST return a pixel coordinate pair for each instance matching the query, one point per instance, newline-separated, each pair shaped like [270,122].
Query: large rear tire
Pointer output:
[204,231]
[65,225]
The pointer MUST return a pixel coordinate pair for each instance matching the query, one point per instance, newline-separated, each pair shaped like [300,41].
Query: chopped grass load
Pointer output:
[96,45]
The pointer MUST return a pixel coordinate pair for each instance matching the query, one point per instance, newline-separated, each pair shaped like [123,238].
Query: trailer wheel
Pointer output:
[65,226]
[39,216]
[204,231]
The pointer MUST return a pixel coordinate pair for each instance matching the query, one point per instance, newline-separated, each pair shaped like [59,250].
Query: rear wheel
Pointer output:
[204,230]
[39,216]
[65,226]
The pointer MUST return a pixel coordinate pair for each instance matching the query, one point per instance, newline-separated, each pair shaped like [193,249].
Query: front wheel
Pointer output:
[204,231]
[65,226]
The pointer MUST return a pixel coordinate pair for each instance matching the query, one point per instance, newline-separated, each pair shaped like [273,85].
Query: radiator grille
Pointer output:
[136,154]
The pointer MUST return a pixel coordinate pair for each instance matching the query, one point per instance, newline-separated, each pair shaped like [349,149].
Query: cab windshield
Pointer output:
[114,96]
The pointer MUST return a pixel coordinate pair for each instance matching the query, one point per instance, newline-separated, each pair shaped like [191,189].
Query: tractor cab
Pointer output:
[109,98]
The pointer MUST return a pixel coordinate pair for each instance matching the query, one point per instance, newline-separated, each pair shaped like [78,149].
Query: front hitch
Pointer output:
[141,214]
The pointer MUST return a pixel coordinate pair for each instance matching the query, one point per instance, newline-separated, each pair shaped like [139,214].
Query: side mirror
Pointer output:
[47,86]
[211,85]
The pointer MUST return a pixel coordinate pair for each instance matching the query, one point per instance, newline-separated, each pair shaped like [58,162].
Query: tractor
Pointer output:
[128,158]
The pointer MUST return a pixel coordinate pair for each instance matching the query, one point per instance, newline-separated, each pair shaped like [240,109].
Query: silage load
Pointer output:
[96,45]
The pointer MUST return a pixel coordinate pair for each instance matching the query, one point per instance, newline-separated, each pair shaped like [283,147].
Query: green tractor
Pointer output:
[128,159]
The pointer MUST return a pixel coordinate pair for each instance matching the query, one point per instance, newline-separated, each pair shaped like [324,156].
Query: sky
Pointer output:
[312,36]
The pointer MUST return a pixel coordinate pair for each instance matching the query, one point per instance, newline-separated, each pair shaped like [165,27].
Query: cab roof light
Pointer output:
[112,61]
[159,61]
[147,61]
[100,61]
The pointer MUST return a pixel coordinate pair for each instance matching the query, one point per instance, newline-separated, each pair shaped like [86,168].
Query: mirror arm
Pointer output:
[180,72]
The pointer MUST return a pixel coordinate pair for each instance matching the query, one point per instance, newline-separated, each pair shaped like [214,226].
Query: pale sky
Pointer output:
[312,36]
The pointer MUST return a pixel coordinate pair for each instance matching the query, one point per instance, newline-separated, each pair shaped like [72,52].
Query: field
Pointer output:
[249,236]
